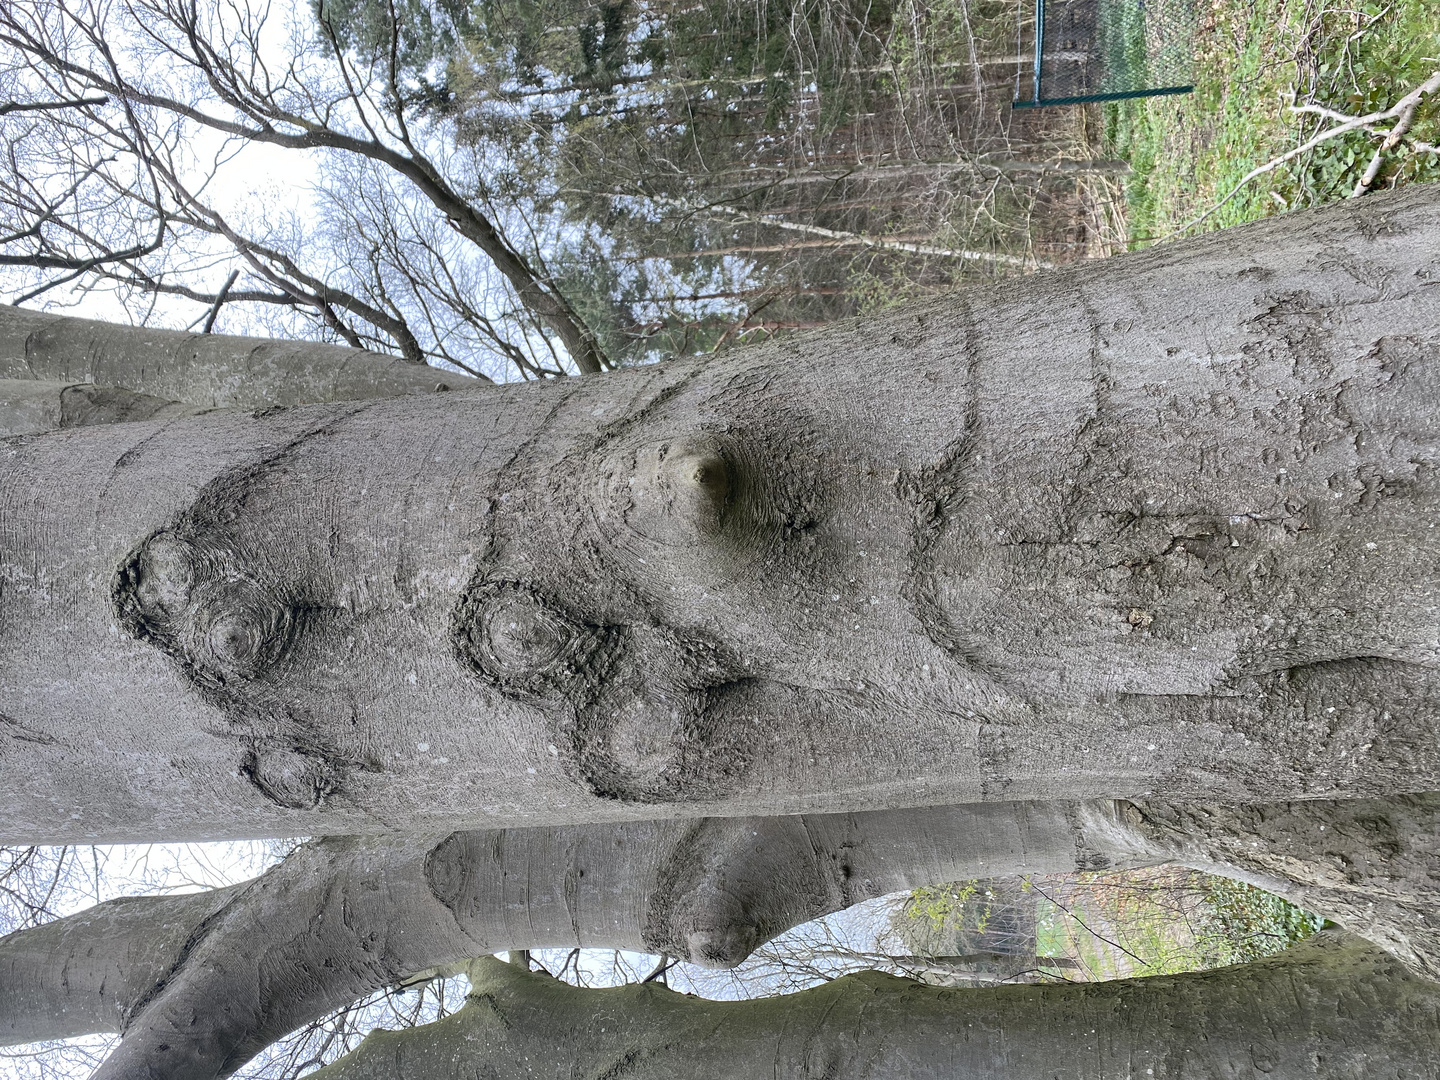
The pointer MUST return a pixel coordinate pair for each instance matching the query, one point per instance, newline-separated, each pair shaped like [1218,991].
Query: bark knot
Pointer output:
[524,645]
[214,620]
[631,706]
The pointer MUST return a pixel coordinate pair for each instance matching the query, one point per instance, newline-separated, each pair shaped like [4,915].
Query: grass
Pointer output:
[1254,60]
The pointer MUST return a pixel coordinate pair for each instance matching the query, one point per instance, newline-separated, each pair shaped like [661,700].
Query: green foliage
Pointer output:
[423,31]
[939,904]
[1398,49]
[1158,921]
[1246,923]
[1255,59]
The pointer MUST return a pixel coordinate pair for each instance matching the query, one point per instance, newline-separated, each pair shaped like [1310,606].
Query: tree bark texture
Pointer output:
[88,972]
[1373,865]
[208,370]
[199,984]
[1159,526]
[30,406]
[1330,1008]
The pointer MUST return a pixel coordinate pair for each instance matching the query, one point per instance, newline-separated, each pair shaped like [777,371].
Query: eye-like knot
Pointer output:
[291,778]
[510,635]
[523,634]
[628,703]
[235,629]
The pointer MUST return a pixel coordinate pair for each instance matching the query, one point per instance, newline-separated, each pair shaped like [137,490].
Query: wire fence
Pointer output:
[1107,50]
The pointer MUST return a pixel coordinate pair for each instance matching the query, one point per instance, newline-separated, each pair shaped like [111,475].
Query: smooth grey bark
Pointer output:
[86,973]
[1329,1008]
[219,979]
[208,370]
[1157,526]
[344,917]
[30,406]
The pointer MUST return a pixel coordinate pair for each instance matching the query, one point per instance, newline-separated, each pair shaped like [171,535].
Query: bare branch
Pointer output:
[49,106]
[219,302]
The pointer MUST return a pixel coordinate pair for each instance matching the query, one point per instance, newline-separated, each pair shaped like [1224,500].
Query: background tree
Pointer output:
[744,168]
[409,250]
[504,188]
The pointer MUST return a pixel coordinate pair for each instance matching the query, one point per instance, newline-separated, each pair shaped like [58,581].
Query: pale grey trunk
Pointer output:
[1159,526]
[344,917]
[1330,1008]
[221,978]
[86,973]
[30,406]
[208,370]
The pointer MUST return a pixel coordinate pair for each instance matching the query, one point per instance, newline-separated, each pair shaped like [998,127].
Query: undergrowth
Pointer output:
[1254,62]
[1157,921]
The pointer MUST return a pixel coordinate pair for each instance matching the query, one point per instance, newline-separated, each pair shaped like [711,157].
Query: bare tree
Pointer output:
[465,229]
[65,207]
[175,77]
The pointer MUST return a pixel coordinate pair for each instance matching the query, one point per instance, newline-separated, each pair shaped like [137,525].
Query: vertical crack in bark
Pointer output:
[938,496]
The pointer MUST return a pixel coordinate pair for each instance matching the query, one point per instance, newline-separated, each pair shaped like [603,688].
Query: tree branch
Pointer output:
[49,106]
[1329,1008]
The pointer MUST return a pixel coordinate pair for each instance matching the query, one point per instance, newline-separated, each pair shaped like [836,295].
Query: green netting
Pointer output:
[1088,50]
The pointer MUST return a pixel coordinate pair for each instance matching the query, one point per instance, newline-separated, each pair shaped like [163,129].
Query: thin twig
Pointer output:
[219,301]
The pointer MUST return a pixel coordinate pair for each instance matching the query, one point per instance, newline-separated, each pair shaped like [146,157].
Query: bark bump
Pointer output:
[219,624]
[291,778]
[631,705]
[732,884]
[231,608]
[85,404]
[680,490]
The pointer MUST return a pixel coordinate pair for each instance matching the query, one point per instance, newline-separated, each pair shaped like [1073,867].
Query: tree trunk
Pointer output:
[199,984]
[208,370]
[30,406]
[89,972]
[1330,1008]
[1159,524]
